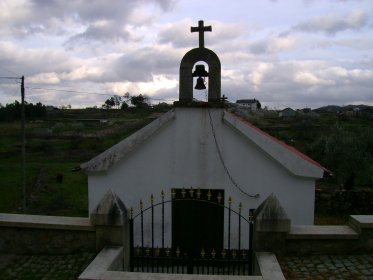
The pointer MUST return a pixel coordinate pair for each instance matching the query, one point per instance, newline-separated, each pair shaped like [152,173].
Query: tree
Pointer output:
[258,105]
[140,101]
[124,105]
[117,100]
[348,154]
[109,103]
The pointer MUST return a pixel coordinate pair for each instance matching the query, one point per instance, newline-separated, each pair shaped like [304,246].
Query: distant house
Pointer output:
[287,113]
[251,104]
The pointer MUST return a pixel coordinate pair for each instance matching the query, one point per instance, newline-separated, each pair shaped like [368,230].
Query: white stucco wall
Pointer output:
[183,154]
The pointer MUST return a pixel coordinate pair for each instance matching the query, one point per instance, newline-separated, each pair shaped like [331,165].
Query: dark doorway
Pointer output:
[197,220]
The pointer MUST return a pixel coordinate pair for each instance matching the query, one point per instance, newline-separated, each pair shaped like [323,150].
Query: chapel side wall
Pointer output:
[19,236]
[174,151]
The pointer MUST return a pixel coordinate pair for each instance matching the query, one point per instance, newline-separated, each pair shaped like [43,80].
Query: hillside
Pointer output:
[56,145]
[63,139]
[340,138]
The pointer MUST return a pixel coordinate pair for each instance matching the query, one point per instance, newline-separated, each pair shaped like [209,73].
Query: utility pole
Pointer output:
[23,140]
[24,193]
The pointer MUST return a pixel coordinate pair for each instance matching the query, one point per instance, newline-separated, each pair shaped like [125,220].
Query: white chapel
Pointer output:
[199,147]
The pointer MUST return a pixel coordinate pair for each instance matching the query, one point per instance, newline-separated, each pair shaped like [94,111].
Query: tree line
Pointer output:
[12,111]
[118,102]
[347,153]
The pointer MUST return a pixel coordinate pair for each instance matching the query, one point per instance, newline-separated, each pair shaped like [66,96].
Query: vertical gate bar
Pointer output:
[152,213]
[167,259]
[172,261]
[142,234]
[131,242]
[239,228]
[162,196]
[223,260]
[229,224]
[234,262]
[244,265]
[251,232]
[239,240]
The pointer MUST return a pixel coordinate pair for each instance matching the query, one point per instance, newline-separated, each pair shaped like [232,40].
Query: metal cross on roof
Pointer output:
[201,30]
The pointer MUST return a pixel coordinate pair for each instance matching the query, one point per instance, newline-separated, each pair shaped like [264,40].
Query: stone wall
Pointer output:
[354,238]
[285,240]
[32,234]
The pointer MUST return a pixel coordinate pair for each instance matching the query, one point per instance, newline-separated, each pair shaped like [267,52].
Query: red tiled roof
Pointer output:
[289,148]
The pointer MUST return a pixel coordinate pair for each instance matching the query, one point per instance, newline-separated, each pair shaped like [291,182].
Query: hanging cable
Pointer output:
[86,92]
[223,162]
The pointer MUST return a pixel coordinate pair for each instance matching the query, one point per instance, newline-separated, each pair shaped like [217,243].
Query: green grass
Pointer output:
[48,157]
[61,199]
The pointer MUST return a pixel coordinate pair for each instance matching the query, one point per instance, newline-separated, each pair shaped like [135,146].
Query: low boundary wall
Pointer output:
[354,238]
[107,266]
[33,234]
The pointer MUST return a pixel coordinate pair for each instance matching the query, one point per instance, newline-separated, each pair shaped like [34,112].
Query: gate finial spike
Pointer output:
[223,253]
[209,195]
[243,254]
[230,201]
[199,193]
[191,191]
[183,192]
[219,197]
[162,195]
[251,214]
[234,254]
[141,205]
[213,253]
[203,253]
[151,199]
[173,193]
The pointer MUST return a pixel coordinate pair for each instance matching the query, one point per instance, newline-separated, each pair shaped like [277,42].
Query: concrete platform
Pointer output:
[45,222]
[322,232]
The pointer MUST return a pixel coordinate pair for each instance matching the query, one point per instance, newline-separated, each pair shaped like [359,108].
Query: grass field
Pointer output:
[76,136]
[52,157]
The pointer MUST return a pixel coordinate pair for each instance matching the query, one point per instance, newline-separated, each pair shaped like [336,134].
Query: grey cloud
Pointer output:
[332,24]
[106,31]
[178,34]
[40,16]
[279,86]
[140,65]
[36,61]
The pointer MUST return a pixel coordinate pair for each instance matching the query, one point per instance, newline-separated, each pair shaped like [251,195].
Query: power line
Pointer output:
[10,78]
[87,92]
[9,71]
[68,90]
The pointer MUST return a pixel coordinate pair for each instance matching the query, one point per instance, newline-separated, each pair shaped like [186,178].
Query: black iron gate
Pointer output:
[179,259]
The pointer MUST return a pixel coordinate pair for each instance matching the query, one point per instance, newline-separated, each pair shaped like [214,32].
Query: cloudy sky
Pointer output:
[297,53]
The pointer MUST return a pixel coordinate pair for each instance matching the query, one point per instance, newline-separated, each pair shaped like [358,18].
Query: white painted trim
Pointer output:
[105,160]
[290,160]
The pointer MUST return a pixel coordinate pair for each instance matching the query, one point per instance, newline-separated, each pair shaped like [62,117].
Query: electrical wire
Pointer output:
[222,159]
[86,92]
[11,72]
[68,90]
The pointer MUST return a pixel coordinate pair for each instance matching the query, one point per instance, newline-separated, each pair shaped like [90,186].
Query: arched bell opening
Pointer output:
[200,80]
[186,78]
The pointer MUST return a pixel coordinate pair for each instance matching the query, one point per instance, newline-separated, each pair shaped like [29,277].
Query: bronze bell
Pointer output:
[200,71]
[200,83]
